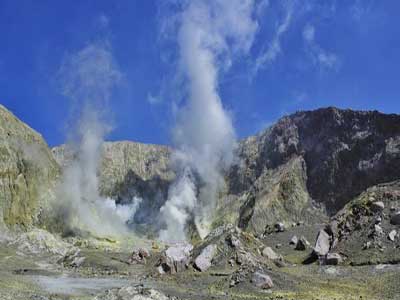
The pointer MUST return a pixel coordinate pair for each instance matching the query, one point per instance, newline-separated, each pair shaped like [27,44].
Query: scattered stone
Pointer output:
[78,261]
[293,240]
[204,260]
[378,220]
[392,235]
[333,259]
[331,271]
[392,208]
[322,244]
[279,227]
[175,258]
[269,253]
[367,245]
[233,241]
[231,262]
[302,244]
[378,230]
[139,256]
[280,263]
[377,206]
[395,219]
[132,293]
[279,245]
[262,281]
[246,258]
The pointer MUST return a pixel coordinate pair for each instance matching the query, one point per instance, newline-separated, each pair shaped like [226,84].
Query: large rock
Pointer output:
[322,244]
[392,235]
[377,206]
[204,260]
[175,259]
[262,281]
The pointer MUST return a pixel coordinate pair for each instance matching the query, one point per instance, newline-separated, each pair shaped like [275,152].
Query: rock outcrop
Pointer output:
[362,227]
[28,173]
[328,155]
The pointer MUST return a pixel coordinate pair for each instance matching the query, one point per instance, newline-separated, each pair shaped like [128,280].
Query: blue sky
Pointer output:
[305,55]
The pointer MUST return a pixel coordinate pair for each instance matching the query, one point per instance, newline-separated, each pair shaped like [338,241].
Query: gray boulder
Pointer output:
[302,244]
[293,240]
[175,259]
[262,281]
[204,260]
[322,244]
[378,230]
[269,253]
[333,259]
[279,227]
[392,235]
[395,219]
[377,206]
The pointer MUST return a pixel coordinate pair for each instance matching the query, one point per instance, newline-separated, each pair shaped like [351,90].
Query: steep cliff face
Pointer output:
[342,153]
[27,172]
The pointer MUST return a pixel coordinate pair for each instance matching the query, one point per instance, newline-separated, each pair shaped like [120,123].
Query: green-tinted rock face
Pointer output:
[27,173]
[327,155]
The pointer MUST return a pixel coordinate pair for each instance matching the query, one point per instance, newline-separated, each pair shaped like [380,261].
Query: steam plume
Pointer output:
[88,78]
[210,35]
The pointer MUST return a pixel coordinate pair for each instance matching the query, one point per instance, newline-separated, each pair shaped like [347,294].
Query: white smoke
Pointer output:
[210,35]
[88,78]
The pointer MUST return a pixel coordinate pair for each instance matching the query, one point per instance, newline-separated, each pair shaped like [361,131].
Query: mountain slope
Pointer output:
[343,152]
[28,172]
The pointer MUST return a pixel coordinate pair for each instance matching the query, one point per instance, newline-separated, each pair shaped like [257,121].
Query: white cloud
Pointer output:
[361,8]
[103,21]
[309,33]
[270,53]
[320,57]
[153,99]
[261,7]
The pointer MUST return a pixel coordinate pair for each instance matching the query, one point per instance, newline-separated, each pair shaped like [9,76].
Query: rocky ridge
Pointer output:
[28,173]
